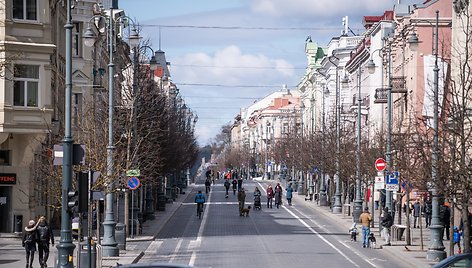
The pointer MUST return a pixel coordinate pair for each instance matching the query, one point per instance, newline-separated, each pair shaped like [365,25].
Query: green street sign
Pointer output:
[133,173]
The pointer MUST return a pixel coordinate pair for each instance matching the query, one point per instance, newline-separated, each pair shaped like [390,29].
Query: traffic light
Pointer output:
[72,201]
[82,185]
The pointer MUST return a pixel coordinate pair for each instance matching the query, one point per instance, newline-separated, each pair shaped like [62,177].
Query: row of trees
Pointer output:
[153,131]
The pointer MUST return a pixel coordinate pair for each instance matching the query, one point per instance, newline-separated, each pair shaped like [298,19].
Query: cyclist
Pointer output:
[200,200]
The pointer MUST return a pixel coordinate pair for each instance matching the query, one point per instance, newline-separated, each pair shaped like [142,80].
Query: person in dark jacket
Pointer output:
[428,211]
[387,222]
[45,236]
[416,213]
[30,238]
[445,219]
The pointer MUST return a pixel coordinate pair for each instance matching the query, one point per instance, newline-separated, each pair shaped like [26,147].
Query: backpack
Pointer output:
[43,233]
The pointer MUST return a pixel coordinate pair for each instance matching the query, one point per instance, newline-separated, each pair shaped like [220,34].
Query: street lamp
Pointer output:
[358,200]
[301,184]
[266,166]
[436,247]
[109,244]
[388,154]
[337,206]
[65,248]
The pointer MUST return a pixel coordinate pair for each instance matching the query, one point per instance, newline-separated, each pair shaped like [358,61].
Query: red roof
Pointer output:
[370,20]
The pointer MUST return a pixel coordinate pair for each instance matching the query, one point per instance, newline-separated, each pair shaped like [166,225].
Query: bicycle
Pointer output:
[199,210]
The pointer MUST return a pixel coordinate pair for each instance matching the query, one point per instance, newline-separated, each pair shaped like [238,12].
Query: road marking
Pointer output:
[198,241]
[319,235]
[176,251]
[212,203]
[153,247]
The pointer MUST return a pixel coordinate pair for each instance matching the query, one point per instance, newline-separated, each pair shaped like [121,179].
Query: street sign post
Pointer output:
[392,181]
[380,164]
[133,173]
[133,183]
[379,182]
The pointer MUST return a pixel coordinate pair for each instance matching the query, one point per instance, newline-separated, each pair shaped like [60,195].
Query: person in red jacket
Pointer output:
[270,196]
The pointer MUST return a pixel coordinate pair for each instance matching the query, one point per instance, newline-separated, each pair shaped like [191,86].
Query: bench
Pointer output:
[397,232]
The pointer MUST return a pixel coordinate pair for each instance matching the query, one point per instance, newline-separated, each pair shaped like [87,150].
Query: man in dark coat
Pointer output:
[387,222]
[45,235]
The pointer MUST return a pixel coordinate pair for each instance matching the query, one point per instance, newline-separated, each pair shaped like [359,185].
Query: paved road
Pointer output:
[291,236]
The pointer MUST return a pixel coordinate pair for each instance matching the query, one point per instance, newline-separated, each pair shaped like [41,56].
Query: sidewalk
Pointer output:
[135,247]
[410,256]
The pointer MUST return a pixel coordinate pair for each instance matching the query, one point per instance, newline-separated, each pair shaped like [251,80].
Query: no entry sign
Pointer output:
[380,164]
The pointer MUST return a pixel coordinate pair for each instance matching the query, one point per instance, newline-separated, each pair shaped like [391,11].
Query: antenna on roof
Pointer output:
[345,26]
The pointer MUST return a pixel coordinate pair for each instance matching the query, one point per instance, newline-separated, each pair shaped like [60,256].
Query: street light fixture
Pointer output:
[301,183]
[358,200]
[109,244]
[337,206]
[436,247]
[65,248]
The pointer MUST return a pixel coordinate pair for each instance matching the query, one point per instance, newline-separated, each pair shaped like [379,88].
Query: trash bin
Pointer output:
[18,224]
[161,202]
[84,257]
[120,236]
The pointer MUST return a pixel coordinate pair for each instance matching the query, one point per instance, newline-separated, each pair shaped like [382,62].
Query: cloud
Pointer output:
[243,78]
[319,8]
[231,66]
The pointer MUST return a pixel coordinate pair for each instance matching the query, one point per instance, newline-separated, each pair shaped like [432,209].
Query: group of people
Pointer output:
[275,195]
[39,233]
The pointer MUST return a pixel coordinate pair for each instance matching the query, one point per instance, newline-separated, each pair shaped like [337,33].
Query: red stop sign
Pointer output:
[380,164]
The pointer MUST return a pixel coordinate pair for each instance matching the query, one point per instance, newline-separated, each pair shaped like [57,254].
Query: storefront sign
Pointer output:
[7,178]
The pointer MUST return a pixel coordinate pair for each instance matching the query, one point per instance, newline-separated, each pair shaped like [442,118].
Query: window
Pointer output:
[25,9]
[76,46]
[25,88]
[5,159]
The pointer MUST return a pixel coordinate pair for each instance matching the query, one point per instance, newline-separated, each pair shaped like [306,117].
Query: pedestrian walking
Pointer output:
[45,236]
[30,238]
[235,185]
[278,195]
[365,218]
[428,211]
[386,222]
[457,238]
[240,183]
[241,200]
[445,219]
[270,196]
[416,209]
[227,184]
[288,194]
[257,198]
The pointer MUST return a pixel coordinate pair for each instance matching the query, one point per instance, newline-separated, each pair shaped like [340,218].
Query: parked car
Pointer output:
[154,265]
[459,260]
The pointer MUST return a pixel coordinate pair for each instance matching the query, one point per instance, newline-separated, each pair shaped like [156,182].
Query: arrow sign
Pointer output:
[133,183]
[380,164]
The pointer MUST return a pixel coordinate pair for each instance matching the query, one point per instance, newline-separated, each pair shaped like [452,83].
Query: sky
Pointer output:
[227,54]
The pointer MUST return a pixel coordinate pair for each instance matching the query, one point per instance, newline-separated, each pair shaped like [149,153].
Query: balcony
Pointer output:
[399,84]
[381,95]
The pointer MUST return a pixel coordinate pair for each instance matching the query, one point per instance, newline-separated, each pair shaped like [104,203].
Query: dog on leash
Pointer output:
[245,212]
[372,241]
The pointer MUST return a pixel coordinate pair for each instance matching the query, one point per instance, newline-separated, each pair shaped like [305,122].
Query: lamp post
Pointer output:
[337,207]
[323,198]
[436,247]
[65,248]
[388,153]
[266,166]
[358,200]
[109,244]
[301,184]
